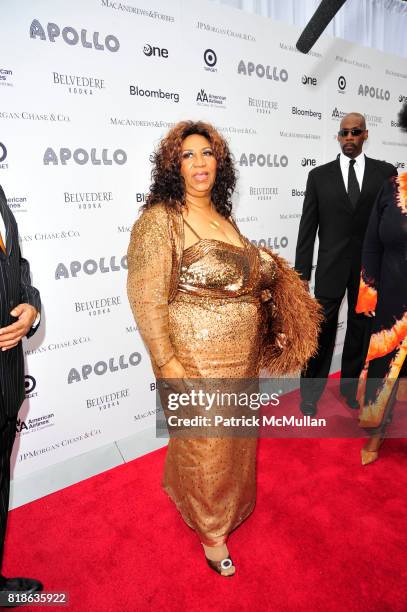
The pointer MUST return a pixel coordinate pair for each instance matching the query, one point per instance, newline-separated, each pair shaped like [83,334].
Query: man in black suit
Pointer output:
[20,306]
[338,200]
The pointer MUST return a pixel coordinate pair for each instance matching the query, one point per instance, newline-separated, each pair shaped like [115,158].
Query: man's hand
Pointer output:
[11,335]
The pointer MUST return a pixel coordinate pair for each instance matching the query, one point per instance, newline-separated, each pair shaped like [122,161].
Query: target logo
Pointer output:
[341,84]
[3,152]
[29,383]
[210,60]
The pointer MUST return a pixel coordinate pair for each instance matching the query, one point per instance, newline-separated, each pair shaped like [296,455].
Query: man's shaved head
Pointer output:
[357,118]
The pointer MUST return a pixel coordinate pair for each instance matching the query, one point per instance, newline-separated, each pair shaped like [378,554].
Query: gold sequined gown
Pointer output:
[214,328]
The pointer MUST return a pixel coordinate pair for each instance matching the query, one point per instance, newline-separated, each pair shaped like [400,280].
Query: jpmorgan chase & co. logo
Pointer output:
[72,37]
[270,160]
[91,267]
[270,72]
[150,51]
[82,156]
[374,92]
[102,367]
[210,60]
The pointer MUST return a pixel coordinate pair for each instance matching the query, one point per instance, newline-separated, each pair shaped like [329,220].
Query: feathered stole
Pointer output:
[293,321]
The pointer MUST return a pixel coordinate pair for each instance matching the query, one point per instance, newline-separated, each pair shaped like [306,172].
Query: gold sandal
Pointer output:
[221,566]
[370,456]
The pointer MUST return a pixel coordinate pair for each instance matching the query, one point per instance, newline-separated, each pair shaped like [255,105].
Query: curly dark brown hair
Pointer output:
[167,183]
[403,117]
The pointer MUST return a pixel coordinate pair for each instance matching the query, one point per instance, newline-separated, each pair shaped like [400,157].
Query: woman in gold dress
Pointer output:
[200,293]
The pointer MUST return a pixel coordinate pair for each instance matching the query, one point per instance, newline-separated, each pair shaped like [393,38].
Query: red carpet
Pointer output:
[327,534]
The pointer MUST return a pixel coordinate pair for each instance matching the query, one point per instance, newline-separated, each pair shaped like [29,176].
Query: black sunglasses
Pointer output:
[353,131]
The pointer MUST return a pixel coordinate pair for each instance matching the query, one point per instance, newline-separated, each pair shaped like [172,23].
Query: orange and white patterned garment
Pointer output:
[383,289]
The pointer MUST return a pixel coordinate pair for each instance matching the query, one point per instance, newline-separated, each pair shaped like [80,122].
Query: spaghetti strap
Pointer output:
[192,229]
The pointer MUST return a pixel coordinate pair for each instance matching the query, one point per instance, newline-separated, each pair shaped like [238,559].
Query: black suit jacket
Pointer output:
[341,227]
[15,288]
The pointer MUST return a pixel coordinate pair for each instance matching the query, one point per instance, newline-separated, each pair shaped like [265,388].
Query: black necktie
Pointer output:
[353,185]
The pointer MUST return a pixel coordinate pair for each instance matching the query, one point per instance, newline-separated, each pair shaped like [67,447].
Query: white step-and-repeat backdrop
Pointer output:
[87,89]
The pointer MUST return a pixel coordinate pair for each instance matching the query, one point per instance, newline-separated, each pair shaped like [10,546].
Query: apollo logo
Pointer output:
[270,72]
[72,37]
[271,243]
[102,367]
[373,92]
[82,157]
[270,160]
[90,267]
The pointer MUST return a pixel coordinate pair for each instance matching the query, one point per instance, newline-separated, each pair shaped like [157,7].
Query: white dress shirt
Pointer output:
[359,168]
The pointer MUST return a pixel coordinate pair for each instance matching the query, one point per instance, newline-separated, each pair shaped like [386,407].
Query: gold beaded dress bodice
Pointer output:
[216,317]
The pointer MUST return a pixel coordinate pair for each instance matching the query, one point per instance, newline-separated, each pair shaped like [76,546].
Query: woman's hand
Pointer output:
[173,369]
[174,373]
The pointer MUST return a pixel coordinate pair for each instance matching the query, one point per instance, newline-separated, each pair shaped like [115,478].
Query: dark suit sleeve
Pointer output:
[307,230]
[391,170]
[28,293]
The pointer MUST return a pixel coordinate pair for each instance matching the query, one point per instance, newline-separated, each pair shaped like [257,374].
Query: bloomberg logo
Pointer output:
[270,72]
[72,37]
[373,92]
[269,159]
[82,157]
